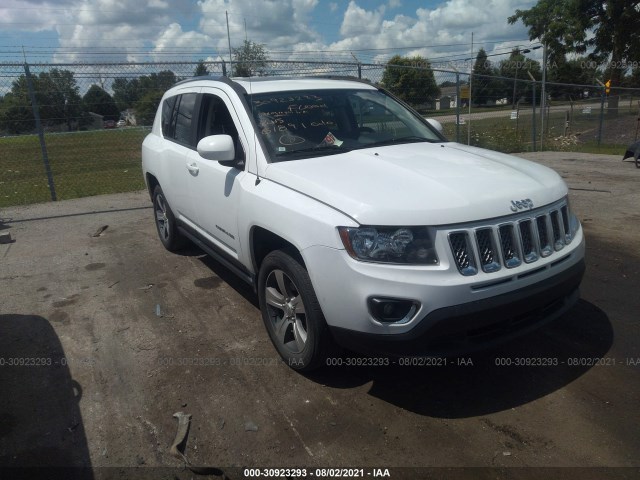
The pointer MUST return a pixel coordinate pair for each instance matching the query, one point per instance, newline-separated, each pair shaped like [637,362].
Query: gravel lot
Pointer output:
[119,371]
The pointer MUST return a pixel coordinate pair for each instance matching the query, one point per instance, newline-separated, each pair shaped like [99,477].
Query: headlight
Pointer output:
[572,224]
[407,245]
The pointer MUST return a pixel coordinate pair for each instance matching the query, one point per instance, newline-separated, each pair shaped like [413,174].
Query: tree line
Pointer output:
[510,80]
[62,106]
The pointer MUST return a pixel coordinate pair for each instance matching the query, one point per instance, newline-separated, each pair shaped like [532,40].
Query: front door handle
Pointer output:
[193,168]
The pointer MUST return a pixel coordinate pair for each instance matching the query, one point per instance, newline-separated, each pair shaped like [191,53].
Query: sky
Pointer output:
[70,31]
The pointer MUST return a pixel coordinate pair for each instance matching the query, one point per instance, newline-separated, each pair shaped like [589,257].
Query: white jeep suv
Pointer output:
[356,221]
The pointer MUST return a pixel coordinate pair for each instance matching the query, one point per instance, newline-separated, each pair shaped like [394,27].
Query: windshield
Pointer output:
[300,124]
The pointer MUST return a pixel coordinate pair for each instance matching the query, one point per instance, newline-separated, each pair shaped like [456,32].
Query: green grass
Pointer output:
[83,164]
[604,149]
[498,134]
[510,136]
[108,161]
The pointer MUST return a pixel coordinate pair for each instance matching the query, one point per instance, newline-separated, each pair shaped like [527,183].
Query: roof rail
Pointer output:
[222,79]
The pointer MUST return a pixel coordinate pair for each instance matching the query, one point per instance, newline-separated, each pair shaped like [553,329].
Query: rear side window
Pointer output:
[168,125]
[177,116]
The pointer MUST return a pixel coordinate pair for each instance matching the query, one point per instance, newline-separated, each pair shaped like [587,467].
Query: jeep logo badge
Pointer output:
[524,204]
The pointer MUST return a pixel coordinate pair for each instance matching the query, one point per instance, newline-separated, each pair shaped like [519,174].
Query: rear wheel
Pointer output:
[166,222]
[291,313]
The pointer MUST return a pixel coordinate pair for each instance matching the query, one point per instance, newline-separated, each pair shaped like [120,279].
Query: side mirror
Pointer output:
[217,147]
[435,124]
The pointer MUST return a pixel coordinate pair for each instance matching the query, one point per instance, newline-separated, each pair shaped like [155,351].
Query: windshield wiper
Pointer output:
[321,148]
[392,141]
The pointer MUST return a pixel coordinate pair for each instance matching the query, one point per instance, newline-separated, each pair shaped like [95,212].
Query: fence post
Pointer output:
[604,94]
[43,145]
[638,122]
[359,71]
[457,107]
[533,117]
[224,67]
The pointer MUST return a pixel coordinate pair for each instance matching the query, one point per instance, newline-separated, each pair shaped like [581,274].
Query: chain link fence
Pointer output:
[73,130]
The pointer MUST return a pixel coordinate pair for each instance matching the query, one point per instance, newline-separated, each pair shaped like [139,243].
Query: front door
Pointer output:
[216,188]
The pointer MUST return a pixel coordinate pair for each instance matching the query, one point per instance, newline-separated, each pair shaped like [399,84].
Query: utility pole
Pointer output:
[228,36]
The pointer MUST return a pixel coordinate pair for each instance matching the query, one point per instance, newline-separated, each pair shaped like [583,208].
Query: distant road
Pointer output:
[464,113]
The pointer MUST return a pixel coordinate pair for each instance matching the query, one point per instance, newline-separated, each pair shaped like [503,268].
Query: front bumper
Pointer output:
[461,329]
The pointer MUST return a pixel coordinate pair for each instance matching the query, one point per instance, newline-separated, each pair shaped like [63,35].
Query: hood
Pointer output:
[420,183]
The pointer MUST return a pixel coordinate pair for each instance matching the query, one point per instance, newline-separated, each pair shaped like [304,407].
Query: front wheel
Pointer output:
[291,312]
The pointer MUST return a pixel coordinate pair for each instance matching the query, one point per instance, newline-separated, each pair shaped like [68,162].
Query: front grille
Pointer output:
[487,250]
[543,235]
[529,251]
[508,244]
[463,253]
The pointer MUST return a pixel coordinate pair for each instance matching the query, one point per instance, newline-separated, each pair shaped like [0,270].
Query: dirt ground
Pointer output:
[115,335]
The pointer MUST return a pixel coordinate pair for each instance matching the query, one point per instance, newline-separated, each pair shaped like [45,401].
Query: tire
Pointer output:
[637,161]
[166,222]
[291,313]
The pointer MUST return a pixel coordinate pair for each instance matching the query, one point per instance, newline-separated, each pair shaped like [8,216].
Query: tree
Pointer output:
[58,100]
[633,79]
[609,27]
[580,70]
[516,67]
[250,60]
[485,87]
[62,97]
[16,114]
[146,107]
[127,92]
[162,80]
[98,101]
[411,79]
[201,69]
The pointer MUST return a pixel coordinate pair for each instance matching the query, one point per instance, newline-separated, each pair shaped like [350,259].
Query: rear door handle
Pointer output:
[193,168]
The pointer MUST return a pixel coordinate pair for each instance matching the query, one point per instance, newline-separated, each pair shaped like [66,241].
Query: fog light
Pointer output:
[392,310]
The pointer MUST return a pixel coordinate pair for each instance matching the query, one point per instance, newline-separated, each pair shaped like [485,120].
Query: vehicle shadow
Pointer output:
[40,421]
[477,384]
[222,272]
[493,380]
